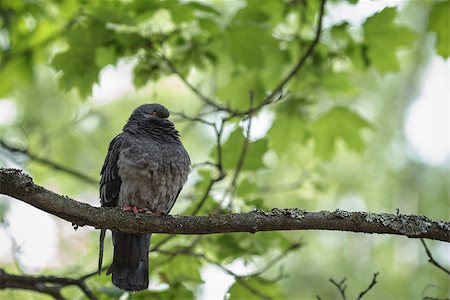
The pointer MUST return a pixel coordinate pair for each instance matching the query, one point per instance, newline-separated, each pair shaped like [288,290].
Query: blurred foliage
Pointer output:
[334,141]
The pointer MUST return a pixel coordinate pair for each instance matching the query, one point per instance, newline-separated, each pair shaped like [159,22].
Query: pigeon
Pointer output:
[144,171]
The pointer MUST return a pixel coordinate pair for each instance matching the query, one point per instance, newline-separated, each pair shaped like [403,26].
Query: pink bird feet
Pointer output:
[144,210]
[133,209]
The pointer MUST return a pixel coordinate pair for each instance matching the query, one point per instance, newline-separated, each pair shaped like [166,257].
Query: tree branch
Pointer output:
[16,184]
[49,285]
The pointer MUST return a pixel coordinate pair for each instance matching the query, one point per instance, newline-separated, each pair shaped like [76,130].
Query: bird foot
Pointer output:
[133,209]
[144,210]
[150,212]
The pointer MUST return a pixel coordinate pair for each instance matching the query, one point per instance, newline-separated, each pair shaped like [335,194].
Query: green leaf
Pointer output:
[236,92]
[78,63]
[204,8]
[227,247]
[261,12]
[261,242]
[246,188]
[147,68]
[186,12]
[383,38]
[287,129]
[180,13]
[105,56]
[257,203]
[45,29]
[439,23]
[249,43]
[182,268]
[17,70]
[340,33]
[357,53]
[337,123]
[116,12]
[257,288]
[338,83]
[209,25]
[175,291]
[232,149]
[3,209]
[206,176]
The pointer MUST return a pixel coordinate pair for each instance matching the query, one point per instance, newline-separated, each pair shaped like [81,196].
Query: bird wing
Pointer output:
[184,158]
[172,201]
[110,184]
[110,181]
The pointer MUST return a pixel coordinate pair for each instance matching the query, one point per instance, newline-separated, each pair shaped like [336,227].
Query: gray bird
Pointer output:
[144,171]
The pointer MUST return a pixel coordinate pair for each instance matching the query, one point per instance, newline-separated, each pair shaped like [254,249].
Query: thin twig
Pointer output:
[219,132]
[86,276]
[244,150]
[432,260]
[201,164]
[204,197]
[371,285]
[183,116]
[162,242]
[277,259]
[251,289]
[15,248]
[239,279]
[341,286]
[219,166]
[196,91]
[51,164]
[277,92]
[427,287]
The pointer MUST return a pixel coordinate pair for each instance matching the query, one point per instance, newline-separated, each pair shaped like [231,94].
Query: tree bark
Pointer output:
[18,185]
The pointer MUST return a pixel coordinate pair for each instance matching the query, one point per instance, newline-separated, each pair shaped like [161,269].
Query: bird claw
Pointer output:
[133,209]
[144,210]
[149,212]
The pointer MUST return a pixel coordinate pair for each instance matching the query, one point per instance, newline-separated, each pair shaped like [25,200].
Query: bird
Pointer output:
[144,171]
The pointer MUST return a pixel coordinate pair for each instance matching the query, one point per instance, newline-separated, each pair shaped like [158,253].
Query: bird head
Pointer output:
[147,117]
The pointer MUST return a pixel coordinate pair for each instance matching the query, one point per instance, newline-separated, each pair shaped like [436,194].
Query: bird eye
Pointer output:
[154,113]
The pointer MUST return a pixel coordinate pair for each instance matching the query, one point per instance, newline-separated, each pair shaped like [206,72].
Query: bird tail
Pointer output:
[100,255]
[130,261]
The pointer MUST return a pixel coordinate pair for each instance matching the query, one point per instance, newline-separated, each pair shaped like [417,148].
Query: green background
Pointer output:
[335,140]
